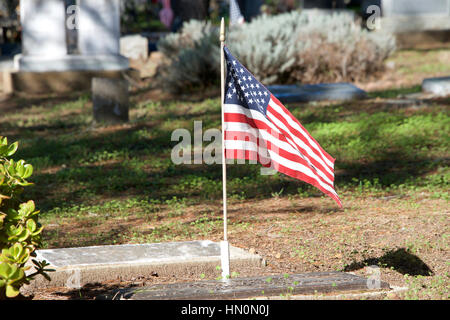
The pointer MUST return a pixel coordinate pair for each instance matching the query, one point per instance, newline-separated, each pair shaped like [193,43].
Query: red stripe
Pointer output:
[242,136]
[258,124]
[282,152]
[286,111]
[246,136]
[238,154]
[301,176]
[250,155]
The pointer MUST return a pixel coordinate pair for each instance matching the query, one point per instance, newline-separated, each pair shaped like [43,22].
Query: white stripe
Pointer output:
[295,125]
[240,126]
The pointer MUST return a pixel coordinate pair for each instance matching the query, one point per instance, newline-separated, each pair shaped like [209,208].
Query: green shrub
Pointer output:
[19,227]
[286,48]
[193,57]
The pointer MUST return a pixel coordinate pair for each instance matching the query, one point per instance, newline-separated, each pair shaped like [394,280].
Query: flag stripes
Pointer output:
[248,130]
[259,128]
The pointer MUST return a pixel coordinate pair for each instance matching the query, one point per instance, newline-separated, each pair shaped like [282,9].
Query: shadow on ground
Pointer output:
[401,260]
[76,163]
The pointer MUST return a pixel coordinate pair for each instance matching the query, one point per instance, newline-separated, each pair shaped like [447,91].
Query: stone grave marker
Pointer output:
[317,92]
[45,46]
[135,47]
[415,15]
[307,283]
[110,100]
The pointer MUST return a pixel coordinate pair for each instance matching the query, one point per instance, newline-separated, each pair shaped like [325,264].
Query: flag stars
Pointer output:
[243,89]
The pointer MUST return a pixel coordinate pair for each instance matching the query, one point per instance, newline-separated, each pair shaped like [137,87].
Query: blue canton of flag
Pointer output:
[242,87]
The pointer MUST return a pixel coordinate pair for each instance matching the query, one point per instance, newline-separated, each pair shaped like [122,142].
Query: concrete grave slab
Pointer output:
[317,92]
[307,283]
[76,267]
[437,86]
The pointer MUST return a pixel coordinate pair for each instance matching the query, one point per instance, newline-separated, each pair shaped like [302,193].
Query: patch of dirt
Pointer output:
[402,235]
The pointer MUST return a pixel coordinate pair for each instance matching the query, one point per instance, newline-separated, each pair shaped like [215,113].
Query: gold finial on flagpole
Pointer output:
[222,30]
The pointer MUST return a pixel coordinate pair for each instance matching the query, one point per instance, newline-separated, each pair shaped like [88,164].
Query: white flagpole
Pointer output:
[224,245]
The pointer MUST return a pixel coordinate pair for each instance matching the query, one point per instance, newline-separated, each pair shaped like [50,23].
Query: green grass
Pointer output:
[111,185]
[80,168]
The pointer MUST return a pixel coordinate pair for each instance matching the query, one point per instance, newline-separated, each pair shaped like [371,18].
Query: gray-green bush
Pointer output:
[286,48]
[193,56]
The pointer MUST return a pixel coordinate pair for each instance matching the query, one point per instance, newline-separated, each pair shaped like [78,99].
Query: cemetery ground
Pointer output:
[104,185]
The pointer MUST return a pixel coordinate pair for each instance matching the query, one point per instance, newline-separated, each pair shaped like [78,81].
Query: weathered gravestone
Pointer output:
[44,36]
[415,15]
[135,47]
[110,99]
[295,284]
[437,86]
[317,92]
[43,32]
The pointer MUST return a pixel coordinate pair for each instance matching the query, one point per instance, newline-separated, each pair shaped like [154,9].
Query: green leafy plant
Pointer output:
[20,231]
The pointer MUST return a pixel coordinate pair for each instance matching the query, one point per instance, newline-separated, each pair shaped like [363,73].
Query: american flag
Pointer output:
[259,128]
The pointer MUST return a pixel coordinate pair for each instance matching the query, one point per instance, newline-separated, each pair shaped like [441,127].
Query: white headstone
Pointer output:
[99,27]
[415,15]
[134,47]
[44,40]
[43,28]
[393,8]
